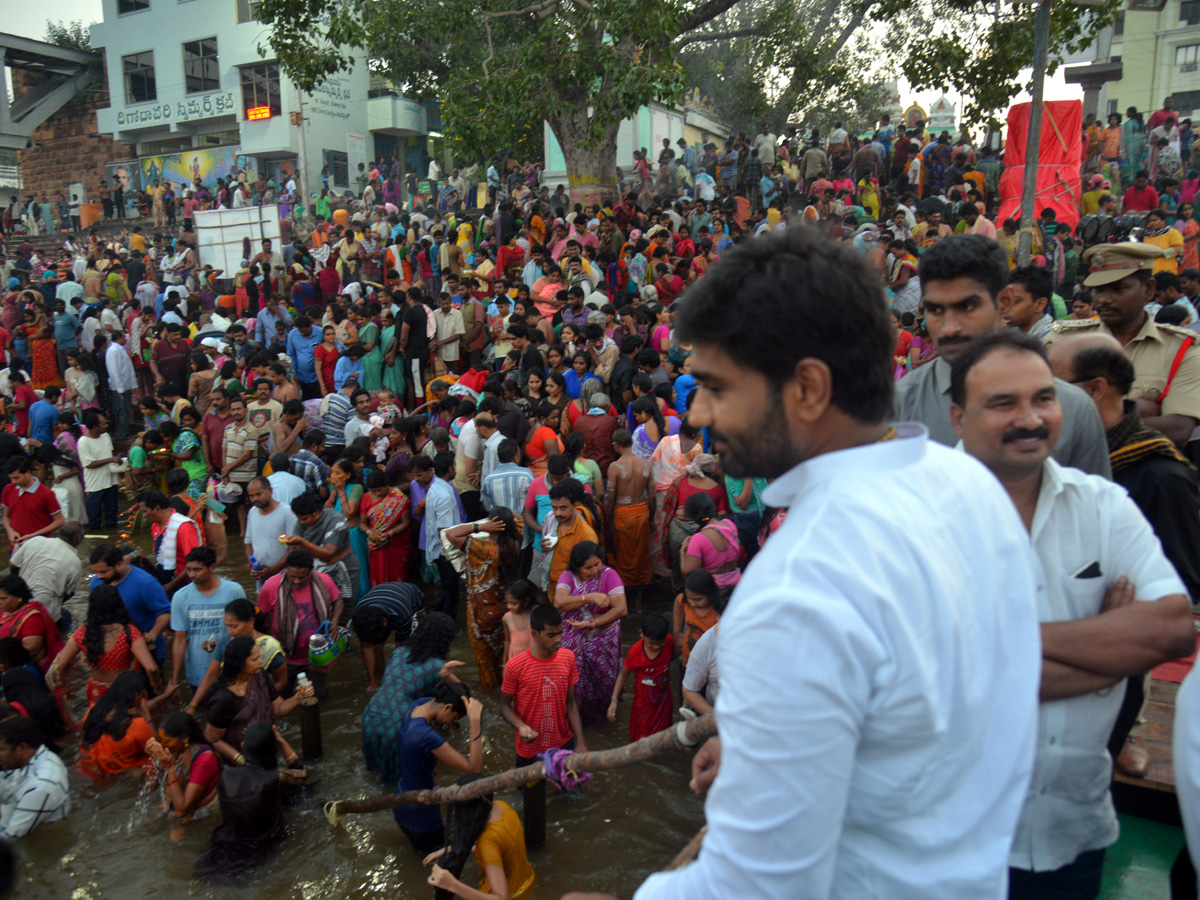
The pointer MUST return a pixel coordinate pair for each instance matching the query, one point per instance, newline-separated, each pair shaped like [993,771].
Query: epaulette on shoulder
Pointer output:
[1177,330]
[1063,325]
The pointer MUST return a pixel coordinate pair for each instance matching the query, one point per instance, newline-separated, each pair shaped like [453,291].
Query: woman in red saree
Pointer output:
[116,730]
[42,354]
[384,518]
[28,621]
[111,644]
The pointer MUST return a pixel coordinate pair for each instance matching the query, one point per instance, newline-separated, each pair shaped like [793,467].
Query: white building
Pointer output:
[191,93]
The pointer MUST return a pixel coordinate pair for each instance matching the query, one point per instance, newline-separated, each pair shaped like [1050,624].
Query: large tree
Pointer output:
[585,65]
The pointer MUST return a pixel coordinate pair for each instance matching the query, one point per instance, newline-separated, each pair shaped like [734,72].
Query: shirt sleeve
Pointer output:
[1137,553]
[187,538]
[776,810]
[179,612]
[1183,398]
[512,672]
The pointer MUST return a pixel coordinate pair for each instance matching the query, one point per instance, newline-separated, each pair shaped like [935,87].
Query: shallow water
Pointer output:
[629,822]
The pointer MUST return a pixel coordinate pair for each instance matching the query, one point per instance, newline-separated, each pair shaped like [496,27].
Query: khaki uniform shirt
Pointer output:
[1152,351]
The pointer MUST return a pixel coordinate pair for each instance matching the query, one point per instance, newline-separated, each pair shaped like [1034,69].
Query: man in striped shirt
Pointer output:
[508,484]
[33,780]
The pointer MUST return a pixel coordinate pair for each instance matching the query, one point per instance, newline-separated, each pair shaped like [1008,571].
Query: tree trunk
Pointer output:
[591,173]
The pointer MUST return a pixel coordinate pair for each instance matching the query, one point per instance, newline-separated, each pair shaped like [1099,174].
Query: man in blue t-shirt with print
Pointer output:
[142,594]
[198,615]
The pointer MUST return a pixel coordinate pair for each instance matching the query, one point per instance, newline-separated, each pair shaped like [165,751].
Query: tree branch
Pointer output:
[716,36]
[539,10]
[786,98]
[705,13]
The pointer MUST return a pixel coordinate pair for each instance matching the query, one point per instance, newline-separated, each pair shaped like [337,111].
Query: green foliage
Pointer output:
[75,35]
[984,59]
[72,35]
[501,68]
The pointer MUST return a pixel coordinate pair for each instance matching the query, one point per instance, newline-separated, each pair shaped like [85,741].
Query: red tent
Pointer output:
[1061,155]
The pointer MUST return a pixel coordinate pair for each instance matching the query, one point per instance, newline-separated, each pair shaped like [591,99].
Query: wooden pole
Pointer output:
[1041,40]
[310,731]
[534,820]
[677,737]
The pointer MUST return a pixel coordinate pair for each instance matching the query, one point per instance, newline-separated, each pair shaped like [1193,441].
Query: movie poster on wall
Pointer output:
[207,164]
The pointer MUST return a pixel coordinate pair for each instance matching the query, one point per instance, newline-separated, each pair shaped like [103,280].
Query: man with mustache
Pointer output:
[961,280]
[1166,360]
[1110,603]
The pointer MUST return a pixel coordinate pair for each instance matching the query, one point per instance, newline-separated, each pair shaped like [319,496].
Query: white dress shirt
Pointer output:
[1186,758]
[880,663]
[121,377]
[491,447]
[1087,533]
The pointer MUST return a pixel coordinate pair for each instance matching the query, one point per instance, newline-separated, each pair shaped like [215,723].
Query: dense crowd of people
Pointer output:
[420,417]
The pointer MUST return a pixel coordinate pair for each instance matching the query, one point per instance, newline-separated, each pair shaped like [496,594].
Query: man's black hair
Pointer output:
[976,350]
[966,256]
[787,279]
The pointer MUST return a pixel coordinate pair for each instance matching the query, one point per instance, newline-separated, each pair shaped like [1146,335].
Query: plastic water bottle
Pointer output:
[303,688]
[255,566]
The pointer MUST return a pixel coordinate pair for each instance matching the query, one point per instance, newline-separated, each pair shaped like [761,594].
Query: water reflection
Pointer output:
[118,844]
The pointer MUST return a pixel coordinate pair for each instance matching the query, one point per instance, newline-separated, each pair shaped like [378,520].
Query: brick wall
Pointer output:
[68,147]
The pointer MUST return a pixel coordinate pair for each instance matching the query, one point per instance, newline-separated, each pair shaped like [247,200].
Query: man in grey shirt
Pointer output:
[961,279]
[325,534]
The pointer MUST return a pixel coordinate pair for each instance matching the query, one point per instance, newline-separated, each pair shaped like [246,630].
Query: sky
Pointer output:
[29,19]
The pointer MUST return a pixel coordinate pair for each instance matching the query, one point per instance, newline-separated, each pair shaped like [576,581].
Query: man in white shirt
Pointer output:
[895,768]
[485,427]
[359,425]
[285,487]
[1111,604]
[33,781]
[121,382]
[96,456]
[51,567]
[450,330]
[268,521]
[765,142]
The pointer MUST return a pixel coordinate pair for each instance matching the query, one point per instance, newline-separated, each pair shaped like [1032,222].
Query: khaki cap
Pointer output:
[1112,262]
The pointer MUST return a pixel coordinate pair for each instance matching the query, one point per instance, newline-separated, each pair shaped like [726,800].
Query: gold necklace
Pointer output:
[889,435]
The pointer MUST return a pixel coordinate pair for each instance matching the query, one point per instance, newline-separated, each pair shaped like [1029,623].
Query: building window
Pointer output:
[200,70]
[1186,55]
[260,89]
[139,77]
[128,6]
[1189,12]
[218,138]
[1113,109]
[247,10]
[1186,102]
[1119,24]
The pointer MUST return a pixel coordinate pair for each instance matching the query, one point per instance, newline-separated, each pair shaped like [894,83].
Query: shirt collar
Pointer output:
[29,490]
[1053,484]
[907,448]
[941,375]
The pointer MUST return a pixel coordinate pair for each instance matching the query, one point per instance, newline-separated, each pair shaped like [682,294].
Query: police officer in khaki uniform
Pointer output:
[1166,360]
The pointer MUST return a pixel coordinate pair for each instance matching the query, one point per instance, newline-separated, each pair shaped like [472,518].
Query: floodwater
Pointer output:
[116,844]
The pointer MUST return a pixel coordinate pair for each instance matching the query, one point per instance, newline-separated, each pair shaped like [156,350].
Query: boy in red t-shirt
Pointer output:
[538,693]
[649,661]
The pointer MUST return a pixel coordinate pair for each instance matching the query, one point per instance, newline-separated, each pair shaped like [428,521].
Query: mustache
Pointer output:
[1025,434]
